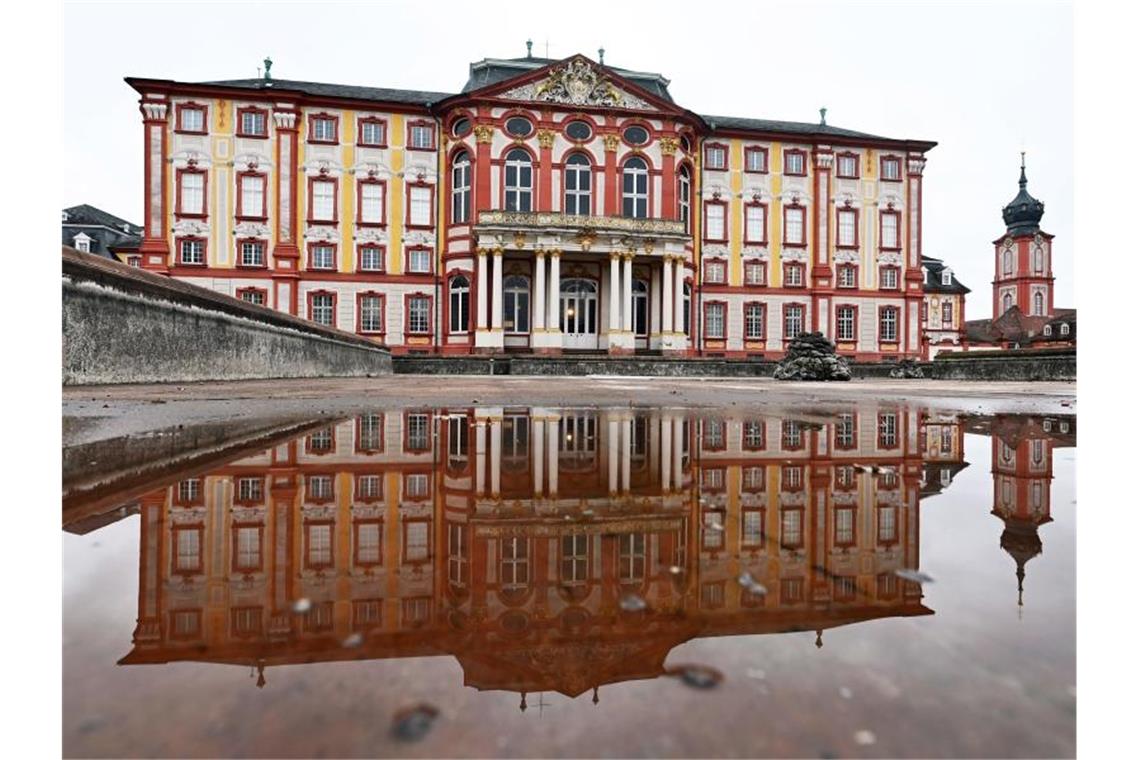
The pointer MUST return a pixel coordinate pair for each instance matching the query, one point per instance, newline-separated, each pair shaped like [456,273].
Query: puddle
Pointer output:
[455,581]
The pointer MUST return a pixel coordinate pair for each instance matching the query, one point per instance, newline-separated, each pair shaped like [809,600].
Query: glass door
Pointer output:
[579,314]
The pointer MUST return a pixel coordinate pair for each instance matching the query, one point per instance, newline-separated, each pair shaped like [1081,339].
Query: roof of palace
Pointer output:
[933,283]
[349,91]
[491,70]
[106,231]
[1017,327]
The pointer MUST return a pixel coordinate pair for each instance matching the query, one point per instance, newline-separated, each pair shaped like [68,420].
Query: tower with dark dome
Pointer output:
[1023,257]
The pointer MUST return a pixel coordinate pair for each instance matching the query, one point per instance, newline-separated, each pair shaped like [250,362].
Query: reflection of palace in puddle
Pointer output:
[510,538]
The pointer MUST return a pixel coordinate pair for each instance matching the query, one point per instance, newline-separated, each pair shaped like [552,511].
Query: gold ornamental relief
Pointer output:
[483,133]
[668,146]
[545,138]
[611,142]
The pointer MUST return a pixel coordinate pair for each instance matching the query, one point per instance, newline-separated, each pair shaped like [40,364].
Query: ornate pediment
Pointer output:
[577,83]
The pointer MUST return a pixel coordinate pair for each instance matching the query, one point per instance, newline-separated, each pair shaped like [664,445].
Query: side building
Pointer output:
[549,206]
[943,308]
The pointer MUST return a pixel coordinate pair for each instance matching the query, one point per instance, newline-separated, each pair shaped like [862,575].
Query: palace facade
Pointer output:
[549,206]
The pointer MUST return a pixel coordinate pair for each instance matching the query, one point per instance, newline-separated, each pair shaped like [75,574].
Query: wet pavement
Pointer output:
[851,579]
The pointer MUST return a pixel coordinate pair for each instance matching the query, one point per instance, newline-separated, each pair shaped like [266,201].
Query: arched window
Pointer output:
[516,304]
[577,180]
[1048,330]
[460,295]
[1006,303]
[1064,328]
[518,181]
[686,311]
[635,189]
[640,308]
[684,196]
[461,188]
[1007,266]
[1038,304]
[1038,260]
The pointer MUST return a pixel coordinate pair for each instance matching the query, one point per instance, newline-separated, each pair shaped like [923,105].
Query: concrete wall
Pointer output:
[1021,365]
[123,325]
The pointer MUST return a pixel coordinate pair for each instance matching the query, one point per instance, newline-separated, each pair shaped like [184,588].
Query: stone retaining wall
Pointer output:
[1018,365]
[124,325]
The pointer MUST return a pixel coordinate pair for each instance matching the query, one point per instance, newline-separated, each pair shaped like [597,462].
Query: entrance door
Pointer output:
[640,314]
[579,314]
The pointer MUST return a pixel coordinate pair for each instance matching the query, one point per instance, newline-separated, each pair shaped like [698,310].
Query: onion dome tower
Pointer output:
[1023,257]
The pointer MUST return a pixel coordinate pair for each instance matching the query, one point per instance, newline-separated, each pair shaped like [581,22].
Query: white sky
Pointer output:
[984,81]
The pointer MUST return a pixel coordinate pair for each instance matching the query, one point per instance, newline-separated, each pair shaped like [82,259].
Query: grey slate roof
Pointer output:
[492,70]
[933,283]
[793,127]
[320,89]
[106,231]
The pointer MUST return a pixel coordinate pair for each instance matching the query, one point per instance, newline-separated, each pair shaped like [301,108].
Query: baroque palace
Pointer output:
[551,205]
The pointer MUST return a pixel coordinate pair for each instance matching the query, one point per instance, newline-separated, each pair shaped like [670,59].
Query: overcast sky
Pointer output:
[984,81]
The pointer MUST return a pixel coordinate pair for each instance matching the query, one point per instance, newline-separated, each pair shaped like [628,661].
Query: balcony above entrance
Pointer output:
[571,233]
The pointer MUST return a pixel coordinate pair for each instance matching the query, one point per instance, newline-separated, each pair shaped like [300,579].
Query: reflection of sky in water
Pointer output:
[973,678]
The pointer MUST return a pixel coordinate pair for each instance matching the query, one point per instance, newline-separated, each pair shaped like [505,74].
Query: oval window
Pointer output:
[636,135]
[518,126]
[578,130]
[461,127]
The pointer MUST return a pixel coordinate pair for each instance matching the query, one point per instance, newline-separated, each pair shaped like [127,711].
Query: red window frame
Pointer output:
[321,244]
[795,152]
[408,250]
[196,633]
[709,147]
[795,265]
[898,230]
[804,320]
[360,312]
[264,295]
[763,240]
[744,445]
[336,200]
[179,174]
[264,254]
[944,311]
[879,431]
[312,120]
[889,268]
[847,446]
[308,553]
[839,174]
[421,123]
[854,244]
[724,268]
[360,257]
[883,161]
[854,269]
[763,321]
[309,302]
[408,206]
[763,267]
[178,241]
[242,212]
[925,312]
[408,313]
[252,109]
[854,322]
[705,227]
[356,525]
[234,548]
[752,150]
[360,132]
[404,540]
[201,568]
[360,185]
[356,425]
[182,107]
[724,320]
[898,324]
[803,226]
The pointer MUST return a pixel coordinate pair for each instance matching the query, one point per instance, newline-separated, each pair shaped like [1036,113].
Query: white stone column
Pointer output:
[615,294]
[668,284]
[678,438]
[554,304]
[552,455]
[480,456]
[655,307]
[613,445]
[626,451]
[538,438]
[481,314]
[627,294]
[538,322]
[497,291]
[666,453]
[496,454]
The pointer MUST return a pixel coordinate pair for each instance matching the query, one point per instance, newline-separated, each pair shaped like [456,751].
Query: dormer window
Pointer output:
[1048,330]
[947,276]
[83,243]
[1064,328]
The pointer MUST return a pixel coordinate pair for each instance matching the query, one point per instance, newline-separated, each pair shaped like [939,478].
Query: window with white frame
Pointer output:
[368,543]
[794,225]
[516,304]
[321,308]
[371,258]
[320,544]
[714,271]
[188,552]
[793,320]
[684,190]
[947,312]
[253,124]
[847,166]
[752,478]
[319,487]
[755,160]
[422,136]
[324,200]
[892,169]
[714,220]
[575,560]
[578,180]
[192,198]
[461,188]
[248,555]
[844,526]
[890,230]
[371,313]
[752,435]
[514,563]
[190,490]
[716,157]
[847,276]
[419,260]
[755,273]
[845,323]
[323,129]
[419,314]
[1038,304]
[794,162]
[845,433]
[888,278]
[369,434]
[372,133]
[889,325]
[252,253]
[1064,328]
[416,486]
[419,211]
[714,321]
[372,202]
[518,180]
[754,321]
[322,256]
[252,189]
[791,528]
[755,224]
[848,220]
[82,243]
[888,431]
[631,557]
[947,277]
[192,119]
[192,251]
[460,303]
[252,295]
[793,275]
[635,189]
[418,432]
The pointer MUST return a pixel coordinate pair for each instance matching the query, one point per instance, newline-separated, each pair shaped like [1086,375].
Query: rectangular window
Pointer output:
[322,129]
[792,478]
[755,160]
[889,325]
[752,438]
[755,224]
[795,162]
[323,200]
[370,487]
[373,133]
[368,543]
[888,278]
[716,157]
[793,321]
[192,195]
[889,230]
[321,307]
[371,313]
[422,137]
[847,276]
[188,550]
[755,273]
[752,478]
[791,528]
[794,225]
[845,323]
[366,613]
[371,258]
[252,123]
[319,487]
[847,166]
[714,221]
[844,526]
[192,119]
[416,486]
[192,251]
[415,541]
[714,272]
[419,260]
[754,321]
[847,227]
[714,321]
[247,551]
[190,491]
[252,253]
[947,313]
[752,524]
[886,525]
[844,439]
[320,545]
[372,202]
[251,196]
[888,431]
[419,314]
[793,275]
[419,206]
[252,295]
[892,169]
[369,436]
[322,256]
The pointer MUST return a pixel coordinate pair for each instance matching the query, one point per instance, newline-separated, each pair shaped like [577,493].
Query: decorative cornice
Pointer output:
[915,165]
[551,220]
[153,110]
[284,119]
